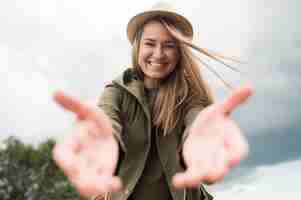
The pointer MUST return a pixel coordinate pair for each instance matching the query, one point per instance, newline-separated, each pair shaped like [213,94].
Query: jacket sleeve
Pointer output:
[110,103]
[188,120]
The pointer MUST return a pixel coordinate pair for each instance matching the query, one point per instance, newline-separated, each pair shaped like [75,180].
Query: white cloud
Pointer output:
[268,182]
[34,63]
[26,104]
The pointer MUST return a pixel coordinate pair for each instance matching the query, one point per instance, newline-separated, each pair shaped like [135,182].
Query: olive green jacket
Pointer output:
[126,105]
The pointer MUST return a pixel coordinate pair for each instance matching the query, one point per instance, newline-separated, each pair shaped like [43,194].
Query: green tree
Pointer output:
[28,173]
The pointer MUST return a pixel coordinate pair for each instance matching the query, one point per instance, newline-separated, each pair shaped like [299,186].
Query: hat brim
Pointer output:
[138,20]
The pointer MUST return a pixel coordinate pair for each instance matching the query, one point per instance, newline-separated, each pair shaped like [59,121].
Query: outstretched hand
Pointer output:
[215,144]
[89,155]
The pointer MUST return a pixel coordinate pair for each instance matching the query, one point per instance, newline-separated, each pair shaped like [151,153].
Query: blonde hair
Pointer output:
[182,89]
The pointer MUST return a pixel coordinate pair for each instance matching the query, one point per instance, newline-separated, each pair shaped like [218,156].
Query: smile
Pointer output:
[157,64]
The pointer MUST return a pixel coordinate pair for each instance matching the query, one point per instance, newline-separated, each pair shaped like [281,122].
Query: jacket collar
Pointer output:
[130,81]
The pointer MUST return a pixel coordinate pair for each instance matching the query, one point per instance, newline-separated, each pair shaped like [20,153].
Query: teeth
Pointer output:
[157,64]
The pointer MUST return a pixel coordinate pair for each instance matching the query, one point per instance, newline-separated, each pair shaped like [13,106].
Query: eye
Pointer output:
[150,44]
[170,45]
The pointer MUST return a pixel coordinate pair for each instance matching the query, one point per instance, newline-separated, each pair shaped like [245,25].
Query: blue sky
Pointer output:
[79,46]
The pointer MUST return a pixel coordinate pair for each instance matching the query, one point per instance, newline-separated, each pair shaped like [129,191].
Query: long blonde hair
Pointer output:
[182,89]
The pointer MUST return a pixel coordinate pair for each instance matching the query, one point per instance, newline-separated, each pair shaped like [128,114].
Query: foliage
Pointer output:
[28,173]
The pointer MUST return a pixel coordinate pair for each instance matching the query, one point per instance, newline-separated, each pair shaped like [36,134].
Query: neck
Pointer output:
[150,83]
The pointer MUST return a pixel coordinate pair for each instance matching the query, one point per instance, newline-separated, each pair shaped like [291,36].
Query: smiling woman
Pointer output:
[158,53]
[156,133]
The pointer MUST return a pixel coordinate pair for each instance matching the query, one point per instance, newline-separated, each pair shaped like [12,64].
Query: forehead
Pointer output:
[154,30]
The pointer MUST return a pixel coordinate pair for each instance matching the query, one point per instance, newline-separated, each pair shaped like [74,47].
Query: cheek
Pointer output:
[143,55]
[140,59]
[172,55]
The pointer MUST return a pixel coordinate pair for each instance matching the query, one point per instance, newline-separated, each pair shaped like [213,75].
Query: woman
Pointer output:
[156,133]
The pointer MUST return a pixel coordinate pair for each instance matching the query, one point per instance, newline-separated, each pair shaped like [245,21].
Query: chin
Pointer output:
[156,75]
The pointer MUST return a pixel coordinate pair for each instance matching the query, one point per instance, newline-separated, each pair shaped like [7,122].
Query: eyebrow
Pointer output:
[150,39]
[153,40]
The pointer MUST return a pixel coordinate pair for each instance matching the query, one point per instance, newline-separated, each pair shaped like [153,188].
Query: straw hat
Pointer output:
[161,9]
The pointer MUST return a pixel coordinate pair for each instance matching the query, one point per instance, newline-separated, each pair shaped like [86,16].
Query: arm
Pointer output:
[110,102]
[89,155]
[214,143]
[188,120]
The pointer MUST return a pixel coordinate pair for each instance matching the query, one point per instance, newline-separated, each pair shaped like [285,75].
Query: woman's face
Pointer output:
[158,51]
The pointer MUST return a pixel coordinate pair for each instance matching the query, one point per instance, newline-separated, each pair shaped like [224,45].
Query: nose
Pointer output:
[158,52]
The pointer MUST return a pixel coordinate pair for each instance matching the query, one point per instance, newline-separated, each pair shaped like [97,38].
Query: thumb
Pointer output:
[238,97]
[191,177]
[84,111]
[72,104]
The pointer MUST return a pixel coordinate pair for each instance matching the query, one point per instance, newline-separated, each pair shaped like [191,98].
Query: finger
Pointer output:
[107,182]
[219,168]
[216,175]
[217,162]
[237,147]
[115,184]
[84,112]
[70,103]
[238,97]
[190,178]
[89,184]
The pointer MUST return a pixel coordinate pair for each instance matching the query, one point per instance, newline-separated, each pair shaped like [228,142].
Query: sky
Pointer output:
[79,46]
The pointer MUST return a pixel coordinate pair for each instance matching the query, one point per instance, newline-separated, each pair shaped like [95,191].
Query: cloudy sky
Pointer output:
[78,46]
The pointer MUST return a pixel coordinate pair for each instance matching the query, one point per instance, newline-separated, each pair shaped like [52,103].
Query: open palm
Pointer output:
[89,155]
[215,144]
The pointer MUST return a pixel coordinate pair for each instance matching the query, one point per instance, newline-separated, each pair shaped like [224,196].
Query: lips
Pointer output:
[153,64]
